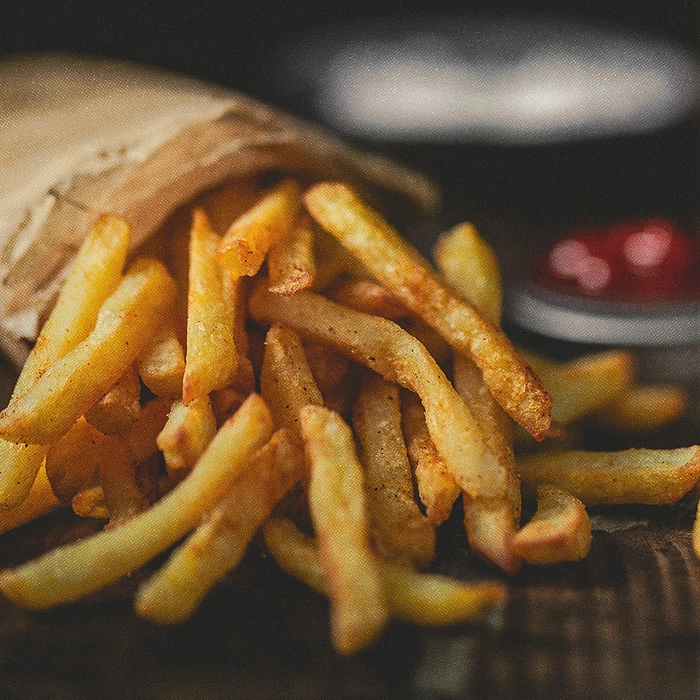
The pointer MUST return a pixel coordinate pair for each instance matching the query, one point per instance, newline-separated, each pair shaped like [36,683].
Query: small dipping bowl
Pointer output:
[551,316]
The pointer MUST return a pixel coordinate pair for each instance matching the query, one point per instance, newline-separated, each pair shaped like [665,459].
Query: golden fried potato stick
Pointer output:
[424,599]
[338,512]
[645,407]
[398,266]
[119,407]
[40,501]
[490,523]
[471,269]
[74,570]
[161,364]
[400,532]
[586,384]
[386,348]
[291,265]
[72,384]
[218,544]
[247,241]
[437,488]
[559,531]
[94,275]
[211,360]
[186,434]
[630,476]
[286,382]
[74,459]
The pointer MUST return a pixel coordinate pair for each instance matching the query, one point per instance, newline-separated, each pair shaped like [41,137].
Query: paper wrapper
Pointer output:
[80,136]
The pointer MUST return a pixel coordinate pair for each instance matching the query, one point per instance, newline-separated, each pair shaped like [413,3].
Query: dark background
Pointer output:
[239,44]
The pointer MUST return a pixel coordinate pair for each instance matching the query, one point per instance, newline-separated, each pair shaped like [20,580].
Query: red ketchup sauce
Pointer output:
[648,261]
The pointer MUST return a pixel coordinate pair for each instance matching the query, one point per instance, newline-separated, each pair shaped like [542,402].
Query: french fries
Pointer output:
[436,486]
[338,512]
[560,530]
[74,570]
[72,384]
[385,389]
[291,264]
[401,532]
[425,599]
[186,434]
[386,348]
[220,541]
[632,476]
[408,276]
[247,241]
[95,274]
[212,359]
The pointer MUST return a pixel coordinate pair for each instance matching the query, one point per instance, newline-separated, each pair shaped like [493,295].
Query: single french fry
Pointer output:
[470,267]
[161,364]
[398,266]
[94,275]
[386,348]
[399,530]
[122,493]
[247,241]
[338,512]
[291,265]
[218,544]
[186,434]
[40,501]
[630,476]
[91,503]
[369,297]
[437,488]
[72,384]
[74,570]
[425,599]
[491,523]
[119,407]
[586,384]
[559,531]
[141,437]
[74,459]
[645,407]
[286,382]
[212,359]
[435,600]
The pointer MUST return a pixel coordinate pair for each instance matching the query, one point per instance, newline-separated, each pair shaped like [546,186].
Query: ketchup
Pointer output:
[649,260]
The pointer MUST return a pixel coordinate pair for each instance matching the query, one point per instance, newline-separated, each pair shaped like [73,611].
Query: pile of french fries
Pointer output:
[280,361]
